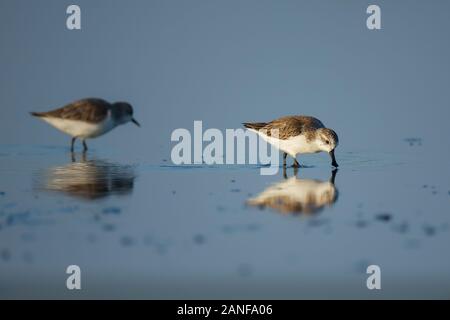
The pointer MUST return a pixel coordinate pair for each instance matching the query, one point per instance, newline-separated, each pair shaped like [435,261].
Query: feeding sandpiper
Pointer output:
[88,118]
[297,135]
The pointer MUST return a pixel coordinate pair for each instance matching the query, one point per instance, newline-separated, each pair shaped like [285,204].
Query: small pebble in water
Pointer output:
[2,193]
[199,239]
[414,141]
[384,217]
[429,230]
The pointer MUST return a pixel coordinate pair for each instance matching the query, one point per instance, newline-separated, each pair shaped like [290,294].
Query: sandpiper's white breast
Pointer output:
[82,129]
[292,146]
[298,144]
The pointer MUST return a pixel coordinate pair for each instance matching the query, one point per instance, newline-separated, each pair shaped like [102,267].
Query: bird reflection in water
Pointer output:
[88,179]
[296,196]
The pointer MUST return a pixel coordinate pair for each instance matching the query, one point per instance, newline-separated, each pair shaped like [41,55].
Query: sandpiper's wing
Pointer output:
[287,127]
[88,110]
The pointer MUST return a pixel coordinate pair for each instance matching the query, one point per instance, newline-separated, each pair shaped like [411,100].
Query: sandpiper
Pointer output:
[297,135]
[88,118]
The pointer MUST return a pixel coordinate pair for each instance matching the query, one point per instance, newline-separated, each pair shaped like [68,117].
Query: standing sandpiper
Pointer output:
[297,134]
[88,118]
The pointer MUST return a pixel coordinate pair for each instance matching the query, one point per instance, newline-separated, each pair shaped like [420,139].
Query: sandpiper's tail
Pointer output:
[255,125]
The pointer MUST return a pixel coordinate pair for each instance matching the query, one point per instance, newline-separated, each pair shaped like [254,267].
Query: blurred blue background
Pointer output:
[225,62]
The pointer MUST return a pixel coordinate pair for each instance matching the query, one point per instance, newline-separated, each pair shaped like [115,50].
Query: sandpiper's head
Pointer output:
[122,112]
[327,141]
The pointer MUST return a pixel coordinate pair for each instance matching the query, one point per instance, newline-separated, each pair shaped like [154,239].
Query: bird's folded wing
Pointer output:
[292,126]
[88,110]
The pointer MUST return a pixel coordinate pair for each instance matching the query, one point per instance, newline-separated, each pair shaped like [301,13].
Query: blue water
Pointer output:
[146,230]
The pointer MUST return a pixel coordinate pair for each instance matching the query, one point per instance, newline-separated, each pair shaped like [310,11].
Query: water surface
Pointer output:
[150,230]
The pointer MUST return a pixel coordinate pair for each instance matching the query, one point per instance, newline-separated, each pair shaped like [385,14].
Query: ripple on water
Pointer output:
[199,239]
[108,227]
[5,254]
[127,241]
[112,210]
[402,227]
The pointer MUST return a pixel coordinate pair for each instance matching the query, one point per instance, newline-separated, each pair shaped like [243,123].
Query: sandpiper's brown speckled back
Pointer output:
[90,110]
[289,126]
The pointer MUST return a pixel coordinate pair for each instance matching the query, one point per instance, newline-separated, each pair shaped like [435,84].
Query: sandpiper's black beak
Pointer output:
[135,122]
[333,159]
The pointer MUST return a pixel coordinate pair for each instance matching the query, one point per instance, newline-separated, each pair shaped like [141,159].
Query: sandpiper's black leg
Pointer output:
[296,164]
[84,146]
[333,175]
[295,171]
[284,159]
[73,142]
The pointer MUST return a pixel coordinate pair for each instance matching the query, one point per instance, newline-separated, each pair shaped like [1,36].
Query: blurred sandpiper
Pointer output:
[88,118]
[297,135]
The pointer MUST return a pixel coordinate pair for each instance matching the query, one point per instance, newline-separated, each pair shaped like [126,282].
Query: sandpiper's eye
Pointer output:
[327,142]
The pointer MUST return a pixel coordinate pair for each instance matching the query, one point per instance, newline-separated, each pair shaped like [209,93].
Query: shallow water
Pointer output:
[156,231]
